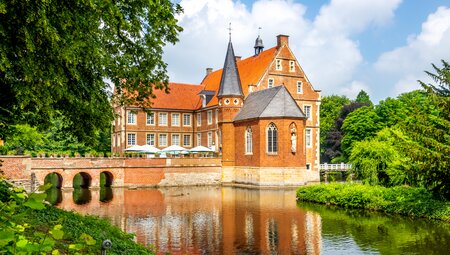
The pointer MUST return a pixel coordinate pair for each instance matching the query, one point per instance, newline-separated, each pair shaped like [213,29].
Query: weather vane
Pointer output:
[259,31]
[229,29]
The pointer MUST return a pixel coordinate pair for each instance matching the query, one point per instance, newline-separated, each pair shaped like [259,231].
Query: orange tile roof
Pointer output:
[181,96]
[250,70]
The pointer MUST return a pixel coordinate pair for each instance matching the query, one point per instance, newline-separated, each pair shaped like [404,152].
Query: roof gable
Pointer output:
[275,102]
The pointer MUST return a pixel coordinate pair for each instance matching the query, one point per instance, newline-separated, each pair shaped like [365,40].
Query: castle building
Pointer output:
[261,114]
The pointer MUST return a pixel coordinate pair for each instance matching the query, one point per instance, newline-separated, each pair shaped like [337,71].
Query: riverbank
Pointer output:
[29,226]
[415,202]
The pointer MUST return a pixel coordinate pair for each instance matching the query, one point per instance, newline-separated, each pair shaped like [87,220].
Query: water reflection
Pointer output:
[81,196]
[225,220]
[106,194]
[54,196]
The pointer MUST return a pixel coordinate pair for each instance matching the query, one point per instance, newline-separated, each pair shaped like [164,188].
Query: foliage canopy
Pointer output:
[59,55]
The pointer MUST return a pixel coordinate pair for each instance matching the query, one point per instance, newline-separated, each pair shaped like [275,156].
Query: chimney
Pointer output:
[237,58]
[282,40]
[208,70]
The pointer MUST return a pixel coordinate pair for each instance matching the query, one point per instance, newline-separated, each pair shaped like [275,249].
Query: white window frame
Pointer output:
[308,138]
[291,66]
[161,119]
[270,83]
[217,116]
[248,141]
[199,139]
[184,140]
[151,117]
[278,65]
[184,120]
[307,112]
[148,140]
[174,119]
[210,139]
[199,119]
[131,139]
[299,85]
[131,117]
[274,149]
[210,117]
[172,139]
[160,144]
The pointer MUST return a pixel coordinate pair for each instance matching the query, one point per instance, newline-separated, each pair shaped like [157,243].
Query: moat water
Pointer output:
[227,220]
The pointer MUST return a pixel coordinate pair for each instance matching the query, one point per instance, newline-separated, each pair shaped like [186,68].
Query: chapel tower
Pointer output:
[230,97]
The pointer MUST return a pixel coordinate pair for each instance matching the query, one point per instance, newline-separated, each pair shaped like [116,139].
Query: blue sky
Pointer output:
[381,46]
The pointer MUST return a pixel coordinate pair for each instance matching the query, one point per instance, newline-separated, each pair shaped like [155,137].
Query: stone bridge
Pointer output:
[119,172]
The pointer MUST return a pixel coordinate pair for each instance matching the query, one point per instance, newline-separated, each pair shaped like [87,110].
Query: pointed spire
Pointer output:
[230,83]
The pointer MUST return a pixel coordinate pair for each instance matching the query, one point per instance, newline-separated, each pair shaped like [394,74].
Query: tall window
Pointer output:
[151,118]
[151,139]
[248,141]
[187,140]
[308,137]
[209,117]
[292,66]
[299,87]
[199,119]
[163,119]
[278,65]
[186,119]
[131,139]
[176,139]
[199,139]
[270,83]
[272,139]
[176,119]
[131,116]
[210,139]
[307,110]
[162,140]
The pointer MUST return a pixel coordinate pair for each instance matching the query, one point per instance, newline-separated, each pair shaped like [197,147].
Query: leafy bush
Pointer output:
[29,226]
[405,200]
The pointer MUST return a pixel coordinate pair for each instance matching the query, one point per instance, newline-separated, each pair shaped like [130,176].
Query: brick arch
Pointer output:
[59,177]
[109,178]
[86,179]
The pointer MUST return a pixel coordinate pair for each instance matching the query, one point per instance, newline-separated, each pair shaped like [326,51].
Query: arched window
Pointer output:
[248,141]
[272,139]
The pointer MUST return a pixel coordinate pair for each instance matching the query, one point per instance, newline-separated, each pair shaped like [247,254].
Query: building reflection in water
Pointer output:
[211,220]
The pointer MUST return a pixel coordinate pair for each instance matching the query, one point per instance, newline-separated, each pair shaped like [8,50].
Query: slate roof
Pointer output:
[230,83]
[273,102]
[250,69]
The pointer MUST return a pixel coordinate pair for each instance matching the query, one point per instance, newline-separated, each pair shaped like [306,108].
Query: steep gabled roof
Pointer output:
[230,83]
[250,70]
[181,96]
[274,102]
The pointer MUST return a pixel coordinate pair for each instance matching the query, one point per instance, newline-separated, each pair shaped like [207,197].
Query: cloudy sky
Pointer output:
[381,46]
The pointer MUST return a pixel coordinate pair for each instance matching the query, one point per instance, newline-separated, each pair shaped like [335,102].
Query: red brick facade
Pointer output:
[211,119]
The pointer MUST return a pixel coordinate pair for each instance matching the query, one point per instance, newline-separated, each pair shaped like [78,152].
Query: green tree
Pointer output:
[379,161]
[59,55]
[25,138]
[330,109]
[364,98]
[363,123]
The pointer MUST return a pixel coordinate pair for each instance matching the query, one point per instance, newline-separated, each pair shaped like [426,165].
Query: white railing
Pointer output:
[335,167]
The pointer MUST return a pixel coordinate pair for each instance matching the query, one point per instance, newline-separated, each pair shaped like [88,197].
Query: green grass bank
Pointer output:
[404,200]
[30,226]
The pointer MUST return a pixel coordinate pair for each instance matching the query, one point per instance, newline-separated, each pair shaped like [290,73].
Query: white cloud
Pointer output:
[324,46]
[405,65]
[354,88]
